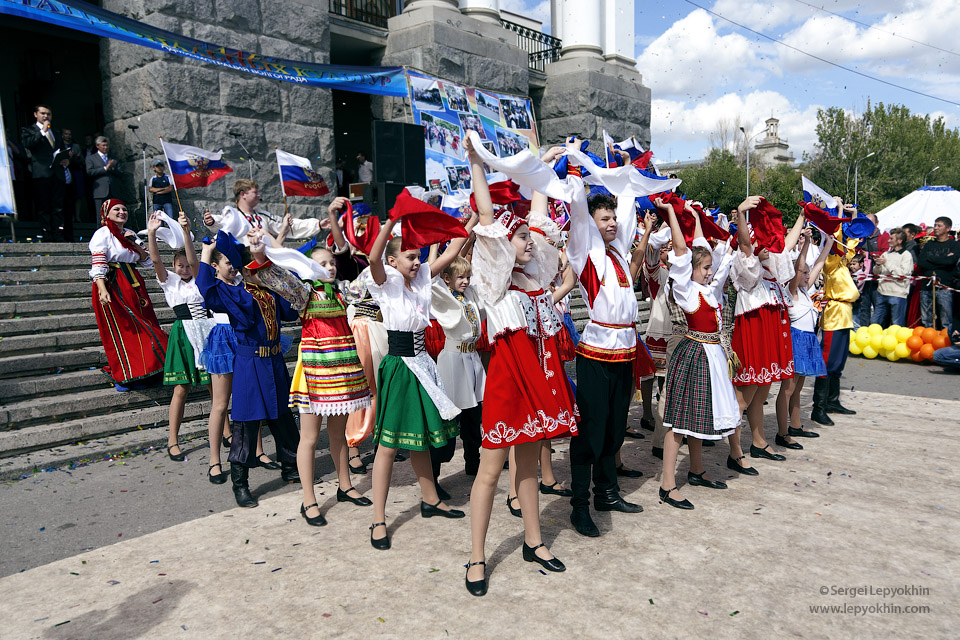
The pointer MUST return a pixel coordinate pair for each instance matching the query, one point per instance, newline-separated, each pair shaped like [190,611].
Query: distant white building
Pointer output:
[772,149]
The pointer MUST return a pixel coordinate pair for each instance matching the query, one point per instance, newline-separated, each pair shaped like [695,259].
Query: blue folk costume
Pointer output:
[261,383]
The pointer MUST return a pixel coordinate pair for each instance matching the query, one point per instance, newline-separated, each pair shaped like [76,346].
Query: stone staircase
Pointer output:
[52,391]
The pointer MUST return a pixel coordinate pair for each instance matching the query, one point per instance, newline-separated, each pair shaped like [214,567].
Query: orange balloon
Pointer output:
[917,331]
[916,357]
[914,343]
[926,351]
[928,335]
[943,332]
[940,342]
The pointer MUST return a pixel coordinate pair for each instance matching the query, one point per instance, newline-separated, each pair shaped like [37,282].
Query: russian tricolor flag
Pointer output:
[297,177]
[814,194]
[193,167]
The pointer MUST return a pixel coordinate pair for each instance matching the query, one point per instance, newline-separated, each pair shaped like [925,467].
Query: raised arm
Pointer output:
[441,262]
[821,259]
[539,201]
[481,190]
[697,227]
[206,252]
[801,259]
[743,234]
[569,281]
[640,253]
[376,253]
[191,253]
[679,243]
[790,241]
[333,214]
[153,224]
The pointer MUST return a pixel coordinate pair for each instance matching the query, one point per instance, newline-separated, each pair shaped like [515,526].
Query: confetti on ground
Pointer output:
[651,600]
[154,561]
[542,572]
[261,562]
[924,572]
[703,613]
[184,627]
[157,600]
[734,613]
[816,513]
[434,570]
[113,582]
[42,619]
[60,624]
[43,528]
[277,569]
[161,574]
[327,615]
[381,620]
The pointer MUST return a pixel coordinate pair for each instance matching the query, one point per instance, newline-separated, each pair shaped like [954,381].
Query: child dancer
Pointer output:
[132,338]
[181,293]
[261,384]
[699,400]
[413,411]
[807,352]
[527,398]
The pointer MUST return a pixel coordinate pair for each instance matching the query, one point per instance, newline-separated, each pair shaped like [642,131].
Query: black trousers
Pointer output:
[604,390]
[469,420]
[48,203]
[243,449]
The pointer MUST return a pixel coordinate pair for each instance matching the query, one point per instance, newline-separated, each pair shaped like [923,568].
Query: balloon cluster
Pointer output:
[896,342]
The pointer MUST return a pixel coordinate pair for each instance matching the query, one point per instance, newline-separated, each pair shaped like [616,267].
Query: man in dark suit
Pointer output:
[102,168]
[47,175]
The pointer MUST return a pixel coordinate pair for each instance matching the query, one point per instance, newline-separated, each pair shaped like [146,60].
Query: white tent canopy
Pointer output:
[922,207]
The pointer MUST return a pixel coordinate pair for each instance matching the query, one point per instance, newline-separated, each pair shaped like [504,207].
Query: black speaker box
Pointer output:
[380,197]
[398,153]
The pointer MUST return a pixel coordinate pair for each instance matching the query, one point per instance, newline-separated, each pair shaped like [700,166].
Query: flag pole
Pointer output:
[286,209]
[172,178]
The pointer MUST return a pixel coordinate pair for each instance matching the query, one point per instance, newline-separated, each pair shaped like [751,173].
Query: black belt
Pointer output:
[405,344]
[190,311]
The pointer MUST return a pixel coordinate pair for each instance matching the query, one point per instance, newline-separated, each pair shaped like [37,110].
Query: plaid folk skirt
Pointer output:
[699,397]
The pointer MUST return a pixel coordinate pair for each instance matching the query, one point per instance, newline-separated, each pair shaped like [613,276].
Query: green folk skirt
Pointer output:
[406,416]
[179,366]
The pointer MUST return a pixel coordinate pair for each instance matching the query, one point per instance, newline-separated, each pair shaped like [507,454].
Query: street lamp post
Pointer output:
[928,174]
[747,144]
[856,176]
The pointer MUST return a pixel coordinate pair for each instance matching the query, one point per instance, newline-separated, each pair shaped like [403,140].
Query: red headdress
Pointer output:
[110,224]
[511,221]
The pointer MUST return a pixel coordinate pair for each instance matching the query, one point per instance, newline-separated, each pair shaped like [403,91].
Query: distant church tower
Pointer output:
[772,149]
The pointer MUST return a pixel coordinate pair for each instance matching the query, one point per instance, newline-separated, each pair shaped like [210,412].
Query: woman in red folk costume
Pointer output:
[132,338]
[527,398]
[761,334]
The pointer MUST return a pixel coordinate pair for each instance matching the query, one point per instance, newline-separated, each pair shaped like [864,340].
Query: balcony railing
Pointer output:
[374,12]
[541,48]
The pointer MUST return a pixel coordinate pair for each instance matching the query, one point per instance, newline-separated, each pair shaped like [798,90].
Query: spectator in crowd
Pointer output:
[344,178]
[871,248]
[49,171]
[365,168]
[102,169]
[939,258]
[161,189]
[949,356]
[892,291]
[74,193]
[911,245]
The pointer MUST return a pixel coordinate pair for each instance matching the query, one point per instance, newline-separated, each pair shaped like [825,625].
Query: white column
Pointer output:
[486,10]
[411,5]
[556,18]
[618,32]
[582,29]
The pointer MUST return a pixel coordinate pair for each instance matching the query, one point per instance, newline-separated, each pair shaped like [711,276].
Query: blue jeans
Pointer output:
[948,357]
[892,306]
[944,307]
[166,208]
[868,298]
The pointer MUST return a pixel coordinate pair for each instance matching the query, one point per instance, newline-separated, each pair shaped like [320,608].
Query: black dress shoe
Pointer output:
[220,478]
[344,496]
[734,465]
[514,512]
[361,470]
[623,472]
[441,492]
[379,543]
[430,510]
[583,523]
[318,521]
[708,443]
[780,441]
[756,452]
[530,555]
[241,487]
[226,441]
[836,407]
[679,504]
[658,452]
[636,435]
[479,587]
[288,472]
[801,433]
[820,416]
[176,457]
[697,480]
[615,502]
[400,457]
[471,467]
[551,490]
[269,464]
[646,424]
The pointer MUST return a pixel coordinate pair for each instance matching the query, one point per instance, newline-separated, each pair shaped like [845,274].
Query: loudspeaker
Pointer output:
[381,196]
[398,153]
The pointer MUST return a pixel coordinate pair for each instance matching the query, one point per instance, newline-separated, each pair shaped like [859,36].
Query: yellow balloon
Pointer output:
[862,340]
[894,328]
[903,334]
[875,330]
[889,343]
[863,331]
[856,349]
[892,356]
[882,353]
[869,352]
[902,350]
[876,341]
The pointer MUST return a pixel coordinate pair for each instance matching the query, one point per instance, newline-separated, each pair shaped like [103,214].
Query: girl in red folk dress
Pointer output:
[527,398]
[761,334]
[132,338]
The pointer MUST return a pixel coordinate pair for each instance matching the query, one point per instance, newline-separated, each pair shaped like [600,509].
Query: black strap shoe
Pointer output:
[530,555]
[551,490]
[646,424]
[697,480]
[176,457]
[756,452]
[801,433]
[780,441]
[636,435]
[734,465]
[226,441]
[288,472]
[344,496]
[679,504]
[219,478]
[361,470]
[478,587]
[268,463]
[658,452]
[615,502]
[514,512]
[583,523]
[379,543]
[317,521]
[623,472]
[430,510]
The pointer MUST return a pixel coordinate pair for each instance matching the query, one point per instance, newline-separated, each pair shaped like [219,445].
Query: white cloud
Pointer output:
[533,10]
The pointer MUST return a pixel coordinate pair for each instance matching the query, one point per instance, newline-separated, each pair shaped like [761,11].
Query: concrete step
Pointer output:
[37,291]
[44,248]
[52,384]
[82,319]
[45,306]
[25,262]
[51,363]
[45,276]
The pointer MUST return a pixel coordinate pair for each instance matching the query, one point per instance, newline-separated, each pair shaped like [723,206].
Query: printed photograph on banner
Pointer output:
[471,122]
[510,143]
[515,113]
[489,146]
[488,106]
[456,97]
[436,170]
[459,177]
[441,135]
[438,185]
[426,93]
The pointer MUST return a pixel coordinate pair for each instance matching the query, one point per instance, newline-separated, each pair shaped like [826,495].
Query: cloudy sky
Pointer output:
[703,69]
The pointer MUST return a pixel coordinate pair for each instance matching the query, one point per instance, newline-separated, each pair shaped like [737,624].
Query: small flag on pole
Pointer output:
[297,177]
[193,167]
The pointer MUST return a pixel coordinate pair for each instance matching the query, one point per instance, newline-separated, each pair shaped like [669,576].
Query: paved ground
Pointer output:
[162,552]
